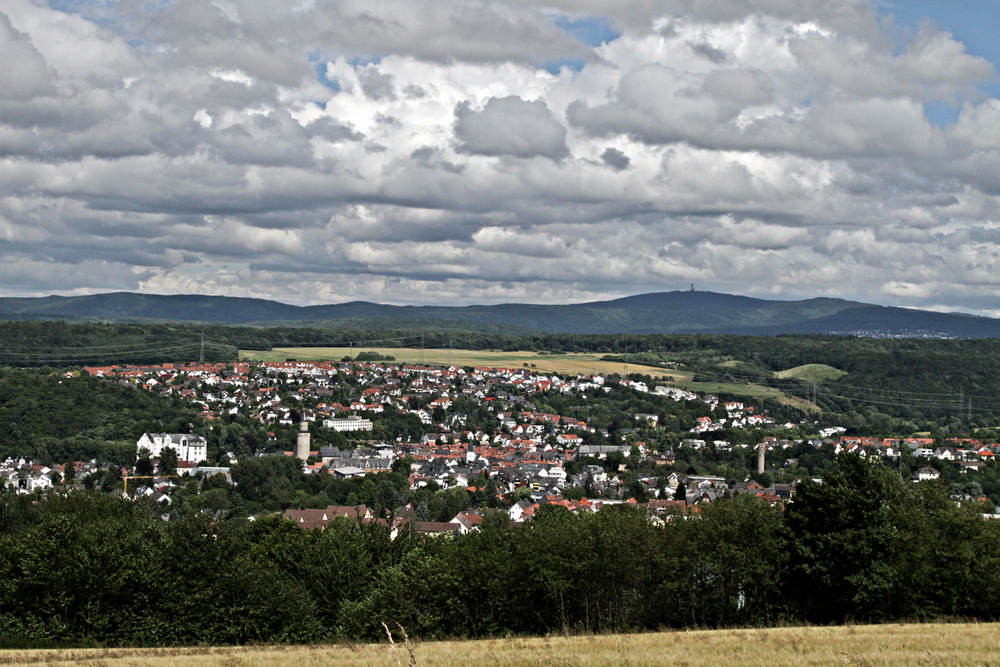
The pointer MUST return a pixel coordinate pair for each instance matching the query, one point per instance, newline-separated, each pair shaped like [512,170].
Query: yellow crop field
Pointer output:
[562,364]
[928,644]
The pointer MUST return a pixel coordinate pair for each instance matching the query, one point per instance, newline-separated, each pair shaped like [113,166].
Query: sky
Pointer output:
[494,151]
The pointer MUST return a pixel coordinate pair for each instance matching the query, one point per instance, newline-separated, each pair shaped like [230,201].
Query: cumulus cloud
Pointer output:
[481,151]
[25,73]
[978,126]
[510,126]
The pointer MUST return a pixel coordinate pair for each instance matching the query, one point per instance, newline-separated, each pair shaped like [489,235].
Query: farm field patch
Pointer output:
[569,364]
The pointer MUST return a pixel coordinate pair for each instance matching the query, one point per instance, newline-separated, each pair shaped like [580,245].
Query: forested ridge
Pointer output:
[950,388]
[60,344]
[662,312]
[863,546]
[908,379]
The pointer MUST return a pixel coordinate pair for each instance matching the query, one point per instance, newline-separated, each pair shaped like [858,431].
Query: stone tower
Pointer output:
[302,441]
[761,450]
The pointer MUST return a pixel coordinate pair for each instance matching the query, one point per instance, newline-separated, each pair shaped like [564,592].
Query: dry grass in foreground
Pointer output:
[935,644]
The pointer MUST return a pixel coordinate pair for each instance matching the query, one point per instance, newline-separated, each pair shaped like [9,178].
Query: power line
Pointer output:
[886,398]
[105,353]
[963,403]
[83,353]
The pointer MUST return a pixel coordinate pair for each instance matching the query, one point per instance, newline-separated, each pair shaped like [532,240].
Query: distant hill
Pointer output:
[811,373]
[664,312]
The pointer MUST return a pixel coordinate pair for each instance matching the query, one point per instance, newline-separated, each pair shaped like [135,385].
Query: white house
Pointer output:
[25,481]
[192,448]
[516,511]
[352,423]
[946,453]
[569,439]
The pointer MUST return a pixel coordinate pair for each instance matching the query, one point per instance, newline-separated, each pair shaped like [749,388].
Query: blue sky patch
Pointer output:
[319,66]
[554,66]
[941,114]
[364,61]
[592,31]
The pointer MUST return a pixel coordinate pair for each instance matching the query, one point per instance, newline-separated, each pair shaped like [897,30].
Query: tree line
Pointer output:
[62,344]
[912,380]
[90,569]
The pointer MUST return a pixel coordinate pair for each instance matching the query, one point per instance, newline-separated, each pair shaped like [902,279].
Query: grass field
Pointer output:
[812,373]
[930,644]
[562,364]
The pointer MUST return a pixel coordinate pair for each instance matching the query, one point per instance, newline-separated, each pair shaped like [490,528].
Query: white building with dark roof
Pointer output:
[189,447]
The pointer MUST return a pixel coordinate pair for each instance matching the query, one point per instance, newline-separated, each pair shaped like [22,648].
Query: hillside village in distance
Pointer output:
[470,428]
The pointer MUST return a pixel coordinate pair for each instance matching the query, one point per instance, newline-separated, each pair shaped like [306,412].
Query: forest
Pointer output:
[916,382]
[90,569]
[874,386]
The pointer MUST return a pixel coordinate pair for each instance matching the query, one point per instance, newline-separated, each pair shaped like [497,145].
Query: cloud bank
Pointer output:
[480,152]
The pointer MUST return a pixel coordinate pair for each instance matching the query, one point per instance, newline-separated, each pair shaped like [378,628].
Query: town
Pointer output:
[513,439]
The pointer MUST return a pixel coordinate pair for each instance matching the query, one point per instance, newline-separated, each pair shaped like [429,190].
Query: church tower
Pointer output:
[302,441]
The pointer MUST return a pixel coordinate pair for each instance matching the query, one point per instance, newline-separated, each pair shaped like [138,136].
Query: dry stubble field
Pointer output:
[930,644]
[570,363]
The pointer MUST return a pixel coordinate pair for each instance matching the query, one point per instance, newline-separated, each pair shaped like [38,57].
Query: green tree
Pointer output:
[842,533]
[267,480]
[559,538]
[946,556]
[84,571]
[168,461]
[735,557]
[143,465]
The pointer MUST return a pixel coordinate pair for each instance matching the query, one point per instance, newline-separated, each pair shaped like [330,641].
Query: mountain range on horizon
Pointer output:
[688,312]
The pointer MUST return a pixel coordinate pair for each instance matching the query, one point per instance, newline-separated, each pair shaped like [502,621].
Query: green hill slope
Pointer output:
[811,373]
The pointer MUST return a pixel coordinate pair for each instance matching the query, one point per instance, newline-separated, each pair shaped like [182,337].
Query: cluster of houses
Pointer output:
[704,489]
[464,522]
[526,450]
[25,475]
[738,415]
[255,389]
[971,455]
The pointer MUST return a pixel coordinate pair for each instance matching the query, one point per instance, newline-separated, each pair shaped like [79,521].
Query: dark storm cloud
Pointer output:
[615,159]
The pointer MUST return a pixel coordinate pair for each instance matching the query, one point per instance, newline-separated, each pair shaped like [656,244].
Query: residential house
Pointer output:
[191,448]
